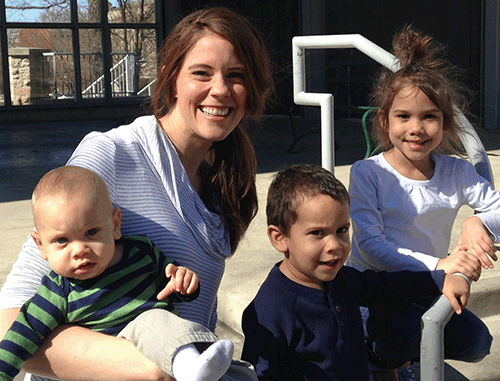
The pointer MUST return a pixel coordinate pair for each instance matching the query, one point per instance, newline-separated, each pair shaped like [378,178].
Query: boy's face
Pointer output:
[77,236]
[318,243]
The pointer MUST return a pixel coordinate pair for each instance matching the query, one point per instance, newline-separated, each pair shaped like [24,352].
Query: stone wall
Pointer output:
[26,75]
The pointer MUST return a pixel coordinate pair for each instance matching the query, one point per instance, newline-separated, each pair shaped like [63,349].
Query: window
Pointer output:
[57,52]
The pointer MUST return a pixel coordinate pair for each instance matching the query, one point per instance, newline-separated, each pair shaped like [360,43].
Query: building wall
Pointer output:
[454,23]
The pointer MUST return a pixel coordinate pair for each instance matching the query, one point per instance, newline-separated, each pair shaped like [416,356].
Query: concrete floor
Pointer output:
[27,151]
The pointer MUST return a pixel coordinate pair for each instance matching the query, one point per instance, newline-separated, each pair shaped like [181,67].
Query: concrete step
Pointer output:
[485,294]
[486,370]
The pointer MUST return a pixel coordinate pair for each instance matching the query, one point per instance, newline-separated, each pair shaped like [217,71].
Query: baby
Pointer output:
[108,283]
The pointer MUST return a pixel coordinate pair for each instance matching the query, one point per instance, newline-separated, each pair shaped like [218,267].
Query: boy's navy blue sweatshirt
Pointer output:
[293,332]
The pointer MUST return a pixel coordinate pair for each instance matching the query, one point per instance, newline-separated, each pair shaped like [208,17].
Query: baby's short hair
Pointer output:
[294,182]
[68,181]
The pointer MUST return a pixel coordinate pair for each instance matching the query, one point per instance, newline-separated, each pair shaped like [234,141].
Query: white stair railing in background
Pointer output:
[148,89]
[124,79]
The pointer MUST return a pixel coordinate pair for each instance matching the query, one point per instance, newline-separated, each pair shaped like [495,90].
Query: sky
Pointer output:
[33,14]
[27,15]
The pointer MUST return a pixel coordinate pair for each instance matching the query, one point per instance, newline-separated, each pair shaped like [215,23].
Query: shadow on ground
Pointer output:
[274,136]
[450,373]
[28,151]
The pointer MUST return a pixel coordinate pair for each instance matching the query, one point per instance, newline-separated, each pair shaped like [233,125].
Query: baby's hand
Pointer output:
[475,236]
[460,261]
[457,290]
[182,280]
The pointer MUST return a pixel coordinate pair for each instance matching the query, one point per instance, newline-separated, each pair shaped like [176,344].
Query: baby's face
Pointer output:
[77,236]
[318,243]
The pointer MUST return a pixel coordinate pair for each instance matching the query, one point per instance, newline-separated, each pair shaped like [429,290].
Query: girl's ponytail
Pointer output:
[413,49]
[423,66]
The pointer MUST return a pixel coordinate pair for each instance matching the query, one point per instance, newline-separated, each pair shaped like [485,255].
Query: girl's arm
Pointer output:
[461,261]
[477,241]
[479,231]
[369,237]
[69,350]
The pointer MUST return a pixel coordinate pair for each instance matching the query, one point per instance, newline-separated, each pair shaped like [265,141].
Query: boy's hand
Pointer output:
[182,280]
[461,261]
[475,236]
[457,290]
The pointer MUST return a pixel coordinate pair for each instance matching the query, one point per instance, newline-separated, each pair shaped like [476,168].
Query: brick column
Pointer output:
[26,75]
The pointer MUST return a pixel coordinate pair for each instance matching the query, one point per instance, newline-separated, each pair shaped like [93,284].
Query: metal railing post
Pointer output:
[432,343]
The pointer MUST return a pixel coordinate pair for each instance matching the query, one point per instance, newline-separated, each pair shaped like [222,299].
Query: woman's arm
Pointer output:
[69,350]
[77,353]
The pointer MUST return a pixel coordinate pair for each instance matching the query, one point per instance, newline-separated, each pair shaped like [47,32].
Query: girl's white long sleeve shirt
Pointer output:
[405,224]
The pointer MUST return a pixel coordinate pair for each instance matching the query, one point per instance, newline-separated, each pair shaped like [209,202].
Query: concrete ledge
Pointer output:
[485,295]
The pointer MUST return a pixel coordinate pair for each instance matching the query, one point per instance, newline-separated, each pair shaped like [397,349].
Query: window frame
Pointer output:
[74,26]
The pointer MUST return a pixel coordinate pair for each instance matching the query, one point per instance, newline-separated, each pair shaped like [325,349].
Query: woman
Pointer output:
[184,177]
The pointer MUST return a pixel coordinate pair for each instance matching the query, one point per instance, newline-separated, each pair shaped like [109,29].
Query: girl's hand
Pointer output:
[457,290]
[461,261]
[478,242]
[182,280]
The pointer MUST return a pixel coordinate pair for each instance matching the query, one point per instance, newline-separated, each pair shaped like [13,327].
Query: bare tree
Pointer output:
[43,4]
[17,7]
[140,41]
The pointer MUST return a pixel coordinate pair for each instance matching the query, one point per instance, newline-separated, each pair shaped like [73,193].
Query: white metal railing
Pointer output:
[432,346]
[148,89]
[432,343]
[124,76]
[123,79]
[62,79]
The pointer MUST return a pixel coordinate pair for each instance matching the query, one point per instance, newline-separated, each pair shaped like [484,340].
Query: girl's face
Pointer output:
[210,90]
[415,128]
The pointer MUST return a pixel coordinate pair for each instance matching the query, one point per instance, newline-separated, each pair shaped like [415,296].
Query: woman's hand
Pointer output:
[478,242]
[182,280]
[461,261]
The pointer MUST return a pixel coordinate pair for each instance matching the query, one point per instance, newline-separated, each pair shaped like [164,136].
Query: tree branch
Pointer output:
[26,7]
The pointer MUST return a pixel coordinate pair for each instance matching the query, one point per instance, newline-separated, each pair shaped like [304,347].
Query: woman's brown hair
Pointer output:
[423,67]
[230,183]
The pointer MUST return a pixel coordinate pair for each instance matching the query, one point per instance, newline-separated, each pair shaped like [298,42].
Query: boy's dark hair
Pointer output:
[300,180]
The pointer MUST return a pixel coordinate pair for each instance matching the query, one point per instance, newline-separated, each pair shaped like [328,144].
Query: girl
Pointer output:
[404,200]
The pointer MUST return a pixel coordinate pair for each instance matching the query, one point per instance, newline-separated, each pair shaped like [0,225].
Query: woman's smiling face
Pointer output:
[210,90]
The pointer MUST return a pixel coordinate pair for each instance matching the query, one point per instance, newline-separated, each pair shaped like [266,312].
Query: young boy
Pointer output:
[107,283]
[304,323]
